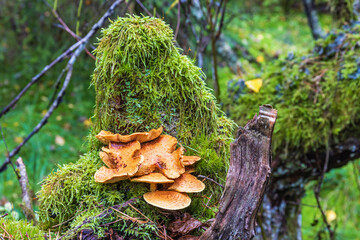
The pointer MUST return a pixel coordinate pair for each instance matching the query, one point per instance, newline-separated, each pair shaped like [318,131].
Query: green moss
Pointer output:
[316,95]
[20,229]
[142,81]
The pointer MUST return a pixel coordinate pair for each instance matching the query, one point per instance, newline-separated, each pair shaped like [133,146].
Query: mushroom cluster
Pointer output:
[152,158]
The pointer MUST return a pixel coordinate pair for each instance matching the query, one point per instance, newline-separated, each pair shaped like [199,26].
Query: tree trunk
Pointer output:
[247,178]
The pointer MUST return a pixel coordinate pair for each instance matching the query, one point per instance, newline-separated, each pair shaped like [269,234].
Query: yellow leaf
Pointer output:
[44,98]
[260,59]
[43,113]
[16,124]
[18,139]
[70,105]
[58,118]
[59,140]
[254,84]
[87,122]
[330,215]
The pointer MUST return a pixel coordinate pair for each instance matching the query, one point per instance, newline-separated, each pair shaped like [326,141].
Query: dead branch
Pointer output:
[247,179]
[144,8]
[211,180]
[79,47]
[7,152]
[66,28]
[24,182]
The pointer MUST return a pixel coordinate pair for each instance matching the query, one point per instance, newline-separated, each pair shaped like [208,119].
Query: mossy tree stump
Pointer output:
[142,81]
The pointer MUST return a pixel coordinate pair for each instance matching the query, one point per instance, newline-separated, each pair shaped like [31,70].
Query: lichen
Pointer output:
[142,81]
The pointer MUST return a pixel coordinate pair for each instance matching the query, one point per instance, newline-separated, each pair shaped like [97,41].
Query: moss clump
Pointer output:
[20,230]
[316,95]
[142,81]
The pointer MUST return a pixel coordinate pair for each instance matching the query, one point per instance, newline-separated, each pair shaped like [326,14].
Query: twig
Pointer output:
[66,28]
[140,213]
[103,214]
[38,76]
[221,24]
[57,86]
[4,215]
[317,193]
[4,228]
[211,180]
[7,153]
[144,8]
[178,21]
[24,182]
[79,48]
[61,57]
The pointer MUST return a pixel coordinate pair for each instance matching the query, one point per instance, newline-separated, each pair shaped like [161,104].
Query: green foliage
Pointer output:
[142,82]
[22,229]
[341,194]
[316,95]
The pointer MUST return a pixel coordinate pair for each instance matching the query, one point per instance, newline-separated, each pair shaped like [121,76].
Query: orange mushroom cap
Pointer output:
[122,172]
[189,160]
[169,200]
[153,178]
[187,183]
[107,137]
[118,153]
[161,154]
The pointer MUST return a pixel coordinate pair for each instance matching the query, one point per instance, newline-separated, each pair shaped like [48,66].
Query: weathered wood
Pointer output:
[247,178]
[24,182]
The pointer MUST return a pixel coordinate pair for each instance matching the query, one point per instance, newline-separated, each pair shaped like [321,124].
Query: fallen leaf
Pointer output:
[260,59]
[184,226]
[330,215]
[18,139]
[59,140]
[87,122]
[254,84]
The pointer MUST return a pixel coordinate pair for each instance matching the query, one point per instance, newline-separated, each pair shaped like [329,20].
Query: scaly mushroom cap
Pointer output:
[161,154]
[118,153]
[189,160]
[169,200]
[187,183]
[107,137]
[153,178]
[122,172]
[106,159]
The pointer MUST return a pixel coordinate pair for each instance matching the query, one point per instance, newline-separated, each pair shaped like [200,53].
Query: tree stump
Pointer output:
[247,178]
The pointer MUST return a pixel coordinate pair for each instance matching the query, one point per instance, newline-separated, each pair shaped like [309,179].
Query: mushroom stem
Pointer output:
[152,187]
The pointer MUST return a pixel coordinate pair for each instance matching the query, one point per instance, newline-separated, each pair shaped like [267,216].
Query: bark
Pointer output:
[247,178]
[313,19]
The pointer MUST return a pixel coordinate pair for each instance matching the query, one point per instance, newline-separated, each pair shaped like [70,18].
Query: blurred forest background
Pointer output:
[241,47]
